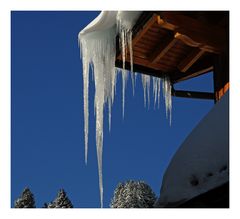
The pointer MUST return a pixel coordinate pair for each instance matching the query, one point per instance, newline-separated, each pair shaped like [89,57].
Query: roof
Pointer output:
[177,44]
[180,44]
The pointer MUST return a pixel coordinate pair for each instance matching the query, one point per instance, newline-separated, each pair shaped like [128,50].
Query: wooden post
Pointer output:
[221,75]
[221,65]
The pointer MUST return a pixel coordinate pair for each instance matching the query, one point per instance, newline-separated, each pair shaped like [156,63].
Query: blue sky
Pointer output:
[47,137]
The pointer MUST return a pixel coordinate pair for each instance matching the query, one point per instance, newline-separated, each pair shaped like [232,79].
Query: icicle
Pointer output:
[167,92]
[131,60]
[156,90]
[98,50]
[125,22]
[146,80]
[124,83]
[85,93]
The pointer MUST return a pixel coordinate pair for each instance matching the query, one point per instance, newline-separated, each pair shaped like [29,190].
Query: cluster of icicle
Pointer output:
[98,53]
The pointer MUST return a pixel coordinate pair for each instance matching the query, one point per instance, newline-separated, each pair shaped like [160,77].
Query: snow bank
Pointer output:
[202,162]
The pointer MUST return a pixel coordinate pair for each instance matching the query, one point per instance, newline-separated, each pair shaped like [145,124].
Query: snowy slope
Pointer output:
[202,162]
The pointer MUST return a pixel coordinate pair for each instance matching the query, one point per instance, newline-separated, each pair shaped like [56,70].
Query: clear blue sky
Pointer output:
[47,137]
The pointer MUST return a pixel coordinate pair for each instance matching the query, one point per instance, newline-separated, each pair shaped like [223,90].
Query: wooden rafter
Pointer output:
[194,74]
[164,24]
[147,26]
[180,44]
[190,42]
[202,66]
[190,60]
[163,48]
[187,40]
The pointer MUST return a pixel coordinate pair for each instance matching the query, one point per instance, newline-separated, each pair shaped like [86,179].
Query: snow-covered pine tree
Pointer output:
[26,200]
[133,194]
[61,201]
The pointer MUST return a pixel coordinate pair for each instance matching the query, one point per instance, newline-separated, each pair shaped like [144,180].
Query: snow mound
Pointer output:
[202,162]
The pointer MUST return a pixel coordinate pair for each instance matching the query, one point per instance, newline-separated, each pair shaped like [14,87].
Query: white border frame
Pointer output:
[5,183]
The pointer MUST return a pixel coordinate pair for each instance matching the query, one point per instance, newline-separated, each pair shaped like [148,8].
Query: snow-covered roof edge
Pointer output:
[105,20]
[202,161]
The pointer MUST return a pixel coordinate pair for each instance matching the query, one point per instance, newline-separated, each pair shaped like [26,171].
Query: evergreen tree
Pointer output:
[133,194]
[26,200]
[61,201]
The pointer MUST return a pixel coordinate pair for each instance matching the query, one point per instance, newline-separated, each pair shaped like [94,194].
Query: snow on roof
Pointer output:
[202,162]
[107,19]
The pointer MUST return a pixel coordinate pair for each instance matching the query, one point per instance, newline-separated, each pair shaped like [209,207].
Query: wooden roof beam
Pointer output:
[165,24]
[190,42]
[194,74]
[164,46]
[140,68]
[210,37]
[203,65]
[190,60]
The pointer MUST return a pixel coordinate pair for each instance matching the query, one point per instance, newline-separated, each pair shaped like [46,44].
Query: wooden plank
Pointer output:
[142,61]
[144,46]
[147,26]
[149,37]
[149,43]
[221,92]
[140,50]
[140,54]
[167,43]
[140,69]
[190,60]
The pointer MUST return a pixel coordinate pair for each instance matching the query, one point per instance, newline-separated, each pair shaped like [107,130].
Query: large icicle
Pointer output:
[98,50]
[156,90]
[124,85]
[125,22]
[146,81]
[85,101]
[167,92]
